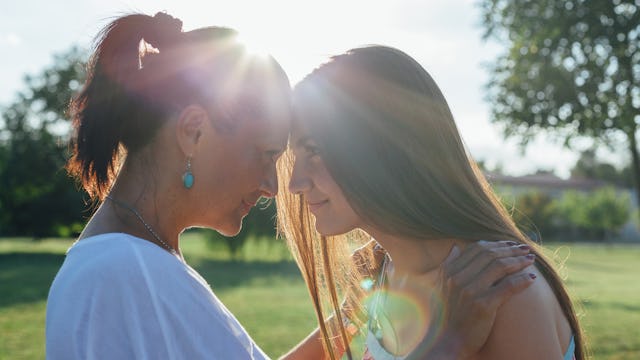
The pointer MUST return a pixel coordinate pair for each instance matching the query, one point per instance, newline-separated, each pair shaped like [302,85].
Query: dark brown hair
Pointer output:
[143,70]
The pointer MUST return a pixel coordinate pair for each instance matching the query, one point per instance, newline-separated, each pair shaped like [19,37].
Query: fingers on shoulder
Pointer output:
[480,253]
[513,284]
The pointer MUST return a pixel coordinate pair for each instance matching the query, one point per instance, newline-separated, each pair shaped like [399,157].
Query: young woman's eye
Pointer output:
[311,150]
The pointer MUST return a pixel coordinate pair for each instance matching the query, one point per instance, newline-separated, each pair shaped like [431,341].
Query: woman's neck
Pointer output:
[150,198]
[410,280]
[415,257]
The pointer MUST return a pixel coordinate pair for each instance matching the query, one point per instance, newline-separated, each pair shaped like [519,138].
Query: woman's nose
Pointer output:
[269,185]
[300,181]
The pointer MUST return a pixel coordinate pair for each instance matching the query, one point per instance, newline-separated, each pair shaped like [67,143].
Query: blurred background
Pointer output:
[545,93]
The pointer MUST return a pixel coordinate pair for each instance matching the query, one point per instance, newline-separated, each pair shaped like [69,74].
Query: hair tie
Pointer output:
[164,32]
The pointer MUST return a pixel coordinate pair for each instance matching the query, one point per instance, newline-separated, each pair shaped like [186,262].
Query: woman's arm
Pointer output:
[473,285]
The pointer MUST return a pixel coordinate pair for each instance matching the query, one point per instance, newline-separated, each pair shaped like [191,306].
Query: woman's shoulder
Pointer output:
[114,285]
[115,260]
[530,325]
[116,249]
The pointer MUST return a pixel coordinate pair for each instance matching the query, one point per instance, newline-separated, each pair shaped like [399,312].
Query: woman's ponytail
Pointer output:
[112,112]
[143,71]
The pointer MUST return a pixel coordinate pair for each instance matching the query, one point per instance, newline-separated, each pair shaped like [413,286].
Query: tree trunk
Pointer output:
[635,163]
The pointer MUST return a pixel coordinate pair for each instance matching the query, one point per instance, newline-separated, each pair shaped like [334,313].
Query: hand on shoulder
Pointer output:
[529,325]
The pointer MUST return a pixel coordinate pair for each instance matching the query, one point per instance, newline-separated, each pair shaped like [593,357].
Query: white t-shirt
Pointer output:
[121,297]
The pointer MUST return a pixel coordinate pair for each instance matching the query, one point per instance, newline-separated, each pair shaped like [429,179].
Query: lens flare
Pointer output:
[254,45]
[397,319]
[367,284]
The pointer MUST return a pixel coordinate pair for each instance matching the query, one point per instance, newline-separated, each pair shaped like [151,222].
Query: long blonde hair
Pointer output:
[389,140]
[325,263]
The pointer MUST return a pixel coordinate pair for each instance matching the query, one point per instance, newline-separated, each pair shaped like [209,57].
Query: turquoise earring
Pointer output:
[187,177]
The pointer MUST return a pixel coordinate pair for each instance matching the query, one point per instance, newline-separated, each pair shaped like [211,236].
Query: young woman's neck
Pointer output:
[413,276]
[412,256]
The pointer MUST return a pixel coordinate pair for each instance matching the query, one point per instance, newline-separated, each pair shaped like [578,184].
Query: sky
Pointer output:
[445,36]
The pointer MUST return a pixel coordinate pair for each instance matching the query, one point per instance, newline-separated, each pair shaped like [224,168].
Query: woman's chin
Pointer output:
[230,231]
[231,228]
[329,229]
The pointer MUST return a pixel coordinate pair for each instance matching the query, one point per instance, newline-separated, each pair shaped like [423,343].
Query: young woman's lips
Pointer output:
[313,206]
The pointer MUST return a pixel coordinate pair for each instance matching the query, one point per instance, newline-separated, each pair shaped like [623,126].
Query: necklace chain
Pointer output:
[147,226]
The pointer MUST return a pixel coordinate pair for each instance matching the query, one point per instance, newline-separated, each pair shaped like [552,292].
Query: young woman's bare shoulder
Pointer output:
[530,325]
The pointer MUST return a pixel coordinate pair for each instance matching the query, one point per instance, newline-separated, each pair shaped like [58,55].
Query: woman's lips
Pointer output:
[246,206]
[316,205]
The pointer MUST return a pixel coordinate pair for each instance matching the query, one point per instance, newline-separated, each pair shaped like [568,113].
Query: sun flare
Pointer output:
[254,44]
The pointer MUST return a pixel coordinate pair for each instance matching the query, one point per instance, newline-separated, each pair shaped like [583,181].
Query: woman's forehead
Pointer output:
[272,128]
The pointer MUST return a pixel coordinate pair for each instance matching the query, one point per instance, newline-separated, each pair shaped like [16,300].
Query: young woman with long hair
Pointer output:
[375,149]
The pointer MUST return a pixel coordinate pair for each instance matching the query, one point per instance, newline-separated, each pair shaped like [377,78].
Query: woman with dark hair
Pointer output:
[174,130]
[374,147]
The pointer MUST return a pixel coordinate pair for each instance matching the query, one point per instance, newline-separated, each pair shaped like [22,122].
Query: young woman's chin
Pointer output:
[332,228]
[335,218]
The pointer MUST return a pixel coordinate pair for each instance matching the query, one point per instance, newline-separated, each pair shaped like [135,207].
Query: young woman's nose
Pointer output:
[300,181]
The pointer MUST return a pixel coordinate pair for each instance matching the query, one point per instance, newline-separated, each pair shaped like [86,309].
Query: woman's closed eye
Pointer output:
[273,155]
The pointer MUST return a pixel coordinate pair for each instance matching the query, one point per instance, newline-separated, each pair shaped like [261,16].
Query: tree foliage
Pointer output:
[37,198]
[596,215]
[534,213]
[571,66]
[589,166]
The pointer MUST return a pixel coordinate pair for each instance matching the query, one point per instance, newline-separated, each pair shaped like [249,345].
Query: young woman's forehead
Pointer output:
[299,132]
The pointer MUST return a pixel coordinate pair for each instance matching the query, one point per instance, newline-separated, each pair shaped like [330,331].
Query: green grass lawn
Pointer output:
[266,293]
[605,280]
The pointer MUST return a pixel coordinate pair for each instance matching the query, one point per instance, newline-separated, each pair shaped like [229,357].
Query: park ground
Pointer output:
[264,290]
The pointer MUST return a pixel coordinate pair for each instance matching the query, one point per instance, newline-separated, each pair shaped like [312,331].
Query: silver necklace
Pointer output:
[137,214]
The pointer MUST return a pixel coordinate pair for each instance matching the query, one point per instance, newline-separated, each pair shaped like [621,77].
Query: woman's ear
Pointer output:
[191,124]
